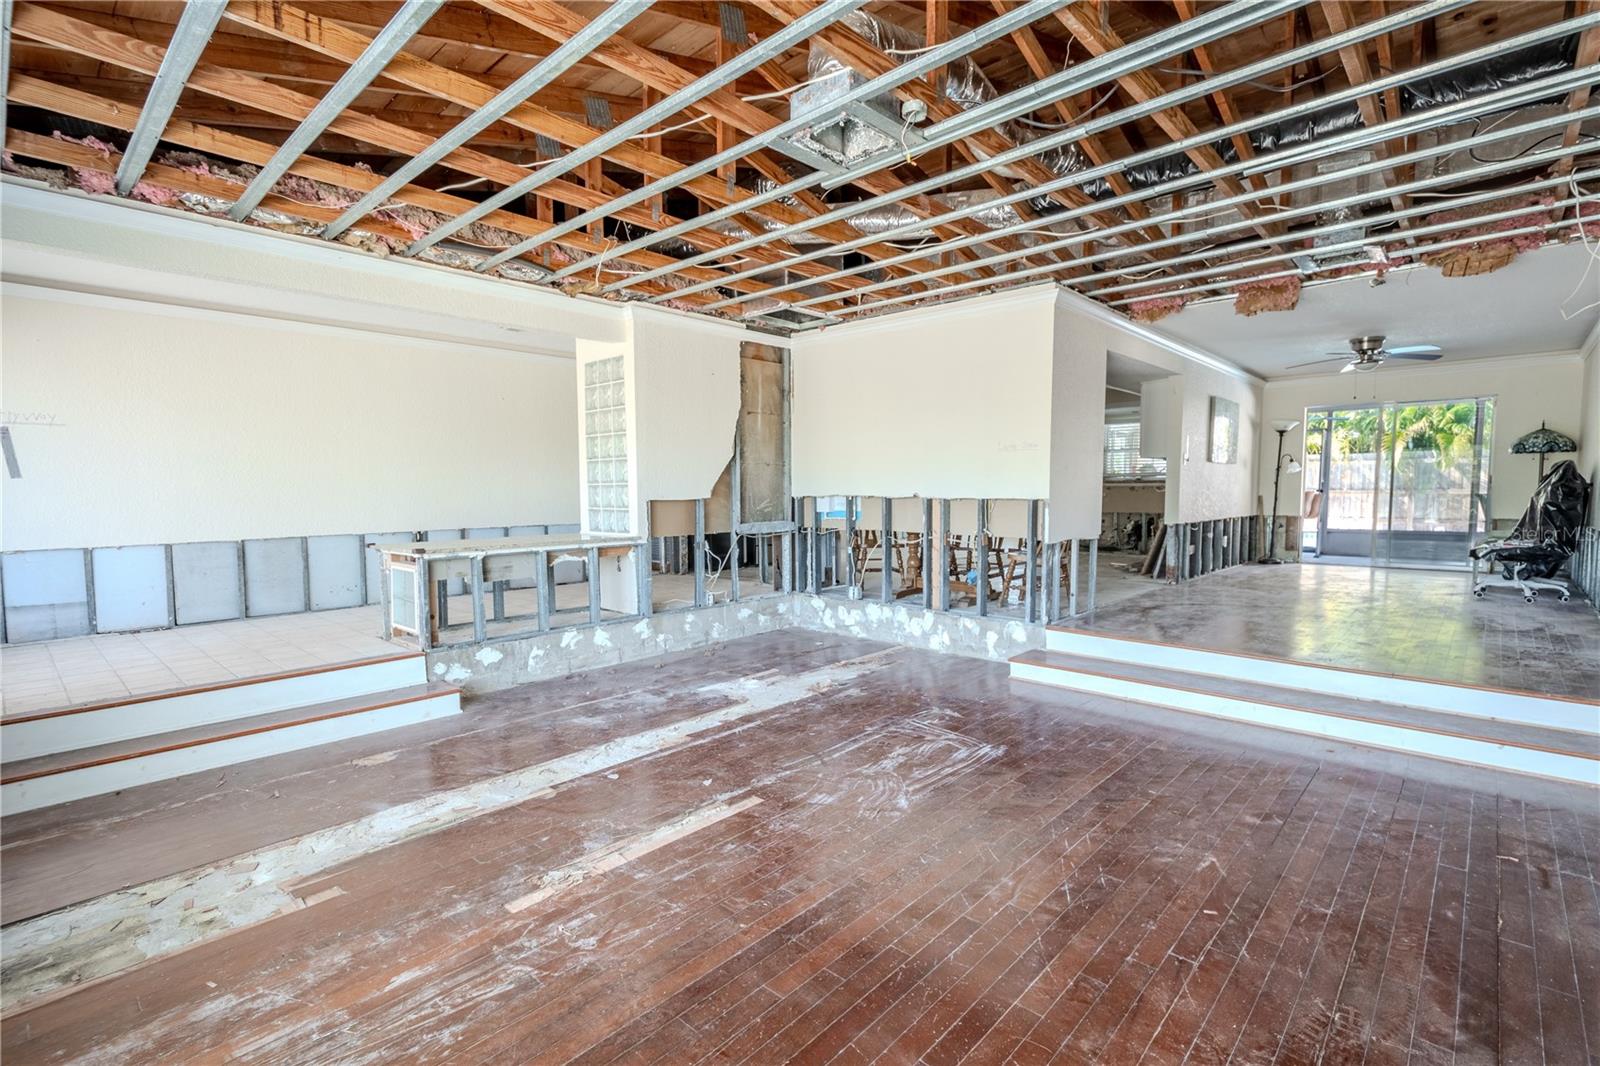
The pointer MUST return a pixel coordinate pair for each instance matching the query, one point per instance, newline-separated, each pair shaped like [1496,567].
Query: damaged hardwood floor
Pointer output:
[826,850]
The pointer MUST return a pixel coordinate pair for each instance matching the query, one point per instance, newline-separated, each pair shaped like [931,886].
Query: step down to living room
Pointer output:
[1554,738]
[70,753]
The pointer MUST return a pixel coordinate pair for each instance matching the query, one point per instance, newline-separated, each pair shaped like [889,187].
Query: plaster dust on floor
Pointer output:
[45,955]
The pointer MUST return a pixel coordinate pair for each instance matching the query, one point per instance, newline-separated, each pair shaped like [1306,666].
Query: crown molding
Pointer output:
[1080,303]
[704,323]
[1020,296]
[1492,362]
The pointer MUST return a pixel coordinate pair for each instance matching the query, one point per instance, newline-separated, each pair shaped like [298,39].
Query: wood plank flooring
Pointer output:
[943,868]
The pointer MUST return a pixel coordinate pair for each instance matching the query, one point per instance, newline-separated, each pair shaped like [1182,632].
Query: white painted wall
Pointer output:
[686,387]
[1527,390]
[1175,420]
[1077,425]
[1589,422]
[213,381]
[682,384]
[1004,397]
[169,424]
[952,402]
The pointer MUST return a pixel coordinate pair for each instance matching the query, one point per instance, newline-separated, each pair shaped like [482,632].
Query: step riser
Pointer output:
[1451,699]
[112,777]
[86,729]
[1371,734]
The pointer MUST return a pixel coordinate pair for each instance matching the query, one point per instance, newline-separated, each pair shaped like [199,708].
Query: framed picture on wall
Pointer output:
[1224,430]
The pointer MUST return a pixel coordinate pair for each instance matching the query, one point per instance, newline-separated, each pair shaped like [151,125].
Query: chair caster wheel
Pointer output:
[1528,598]
[1565,597]
[1478,593]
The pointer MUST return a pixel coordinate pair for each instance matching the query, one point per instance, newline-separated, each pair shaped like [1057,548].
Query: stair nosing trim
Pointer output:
[329,716]
[1340,740]
[1306,710]
[216,686]
[1579,700]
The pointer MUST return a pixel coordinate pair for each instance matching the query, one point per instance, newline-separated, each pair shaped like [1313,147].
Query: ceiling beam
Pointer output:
[518,143]
[1222,98]
[1033,53]
[461,24]
[338,41]
[1142,86]
[182,53]
[36,92]
[38,22]
[1358,70]
[406,22]
[1578,99]
[558,22]
[610,20]
[261,57]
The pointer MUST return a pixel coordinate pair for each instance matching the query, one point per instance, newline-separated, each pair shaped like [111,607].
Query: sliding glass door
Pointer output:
[1398,483]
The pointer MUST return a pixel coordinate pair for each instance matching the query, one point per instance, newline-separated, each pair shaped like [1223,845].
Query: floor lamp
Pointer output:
[1283,426]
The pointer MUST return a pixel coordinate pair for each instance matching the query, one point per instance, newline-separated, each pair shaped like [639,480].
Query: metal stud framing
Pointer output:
[541,107]
[195,26]
[411,17]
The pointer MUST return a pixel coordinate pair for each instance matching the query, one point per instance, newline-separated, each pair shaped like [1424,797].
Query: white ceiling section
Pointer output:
[1515,310]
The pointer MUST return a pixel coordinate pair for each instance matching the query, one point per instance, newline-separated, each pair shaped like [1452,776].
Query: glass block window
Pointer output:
[605,430]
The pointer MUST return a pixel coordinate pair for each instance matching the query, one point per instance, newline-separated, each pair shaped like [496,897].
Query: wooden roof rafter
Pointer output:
[38,22]
[304,28]
[271,63]
[1032,50]
[543,16]
[1142,86]
[36,92]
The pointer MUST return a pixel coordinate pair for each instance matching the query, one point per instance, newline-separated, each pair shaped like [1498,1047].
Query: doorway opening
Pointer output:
[1397,484]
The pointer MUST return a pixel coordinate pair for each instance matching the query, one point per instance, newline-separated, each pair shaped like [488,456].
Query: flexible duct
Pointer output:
[965,84]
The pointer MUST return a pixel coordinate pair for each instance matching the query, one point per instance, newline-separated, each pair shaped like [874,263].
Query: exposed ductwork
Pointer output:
[843,136]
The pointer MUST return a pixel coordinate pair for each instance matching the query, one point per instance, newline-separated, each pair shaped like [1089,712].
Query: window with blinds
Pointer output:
[1123,461]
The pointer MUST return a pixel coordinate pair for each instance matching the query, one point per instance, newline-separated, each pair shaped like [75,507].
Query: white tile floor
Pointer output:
[60,673]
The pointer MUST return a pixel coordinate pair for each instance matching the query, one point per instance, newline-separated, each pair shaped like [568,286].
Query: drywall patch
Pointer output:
[101,936]
[489,656]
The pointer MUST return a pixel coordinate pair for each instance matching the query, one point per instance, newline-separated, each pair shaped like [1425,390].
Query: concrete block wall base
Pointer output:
[498,664]
[900,623]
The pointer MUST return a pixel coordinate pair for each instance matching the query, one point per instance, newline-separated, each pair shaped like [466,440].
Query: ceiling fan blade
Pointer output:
[1348,367]
[1406,349]
[1317,362]
[1426,357]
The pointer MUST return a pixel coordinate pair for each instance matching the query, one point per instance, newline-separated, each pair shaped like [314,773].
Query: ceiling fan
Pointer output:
[1369,353]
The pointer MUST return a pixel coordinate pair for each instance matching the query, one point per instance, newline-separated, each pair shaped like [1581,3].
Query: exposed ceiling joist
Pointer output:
[629,204]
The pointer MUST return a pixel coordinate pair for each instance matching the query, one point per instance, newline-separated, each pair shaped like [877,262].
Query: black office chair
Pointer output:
[1544,538]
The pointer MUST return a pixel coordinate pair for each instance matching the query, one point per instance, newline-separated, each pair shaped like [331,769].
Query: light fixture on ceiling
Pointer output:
[1367,353]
